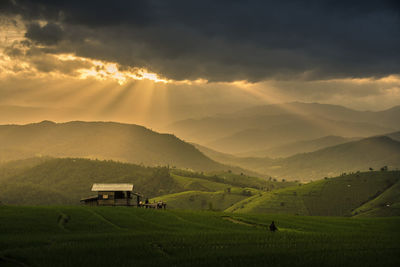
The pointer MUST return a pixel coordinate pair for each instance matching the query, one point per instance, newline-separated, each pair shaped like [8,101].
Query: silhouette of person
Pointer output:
[146,203]
[272,227]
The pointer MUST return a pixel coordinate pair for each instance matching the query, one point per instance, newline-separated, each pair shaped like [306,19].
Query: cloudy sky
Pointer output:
[155,61]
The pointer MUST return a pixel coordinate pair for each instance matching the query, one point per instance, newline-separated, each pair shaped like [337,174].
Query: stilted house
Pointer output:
[112,195]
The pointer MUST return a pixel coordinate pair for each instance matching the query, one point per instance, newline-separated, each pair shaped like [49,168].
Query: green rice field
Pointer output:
[122,236]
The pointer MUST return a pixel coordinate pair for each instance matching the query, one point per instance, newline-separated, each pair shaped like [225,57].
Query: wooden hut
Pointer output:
[112,195]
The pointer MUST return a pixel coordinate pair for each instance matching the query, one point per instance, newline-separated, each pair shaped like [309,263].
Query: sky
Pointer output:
[153,62]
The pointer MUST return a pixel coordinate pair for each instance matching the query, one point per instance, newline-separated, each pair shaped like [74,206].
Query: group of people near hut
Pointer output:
[154,205]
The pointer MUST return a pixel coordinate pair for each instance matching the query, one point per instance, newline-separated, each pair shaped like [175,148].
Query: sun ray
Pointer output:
[271,97]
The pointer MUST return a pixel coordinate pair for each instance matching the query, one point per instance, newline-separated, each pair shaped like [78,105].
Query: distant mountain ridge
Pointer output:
[101,140]
[265,127]
[374,152]
[291,149]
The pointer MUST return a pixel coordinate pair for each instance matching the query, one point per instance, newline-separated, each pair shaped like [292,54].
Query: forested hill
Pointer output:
[101,140]
[50,181]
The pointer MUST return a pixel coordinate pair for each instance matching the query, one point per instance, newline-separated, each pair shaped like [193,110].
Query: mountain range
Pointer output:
[360,155]
[293,148]
[137,144]
[102,140]
[267,127]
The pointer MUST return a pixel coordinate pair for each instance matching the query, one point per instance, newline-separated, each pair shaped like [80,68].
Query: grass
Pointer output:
[120,236]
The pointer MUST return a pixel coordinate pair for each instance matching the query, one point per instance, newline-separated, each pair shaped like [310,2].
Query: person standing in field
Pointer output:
[272,227]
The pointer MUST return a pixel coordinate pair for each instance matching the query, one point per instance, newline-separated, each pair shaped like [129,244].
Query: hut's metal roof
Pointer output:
[112,187]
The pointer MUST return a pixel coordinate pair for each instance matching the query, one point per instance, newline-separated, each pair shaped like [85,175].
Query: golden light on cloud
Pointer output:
[14,60]
[102,70]
[79,67]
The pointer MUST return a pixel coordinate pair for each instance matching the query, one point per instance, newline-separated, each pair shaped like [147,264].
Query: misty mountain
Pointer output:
[374,152]
[354,156]
[291,149]
[101,140]
[265,127]
[385,118]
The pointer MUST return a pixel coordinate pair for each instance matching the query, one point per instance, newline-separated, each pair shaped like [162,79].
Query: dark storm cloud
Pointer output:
[225,40]
[49,34]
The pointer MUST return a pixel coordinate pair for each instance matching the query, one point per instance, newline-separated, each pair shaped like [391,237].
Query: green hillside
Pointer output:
[120,236]
[39,181]
[386,204]
[66,181]
[16,167]
[217,192]
[101,140]
[238,180]
[338,196]
[200,200]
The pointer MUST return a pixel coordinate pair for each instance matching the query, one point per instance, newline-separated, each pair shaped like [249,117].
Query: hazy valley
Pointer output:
[266,127]
[49,162]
